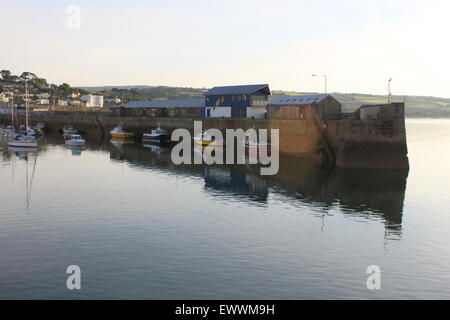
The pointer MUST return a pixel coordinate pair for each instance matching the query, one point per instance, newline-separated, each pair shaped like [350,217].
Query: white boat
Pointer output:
[69,129]
[157,135]
[119,133]
[40,126]
[9,132]
[32,132]
[75,140]
[23,141]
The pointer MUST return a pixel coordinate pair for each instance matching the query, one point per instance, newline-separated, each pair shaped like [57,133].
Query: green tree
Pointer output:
[64,89]
[40,83]
[5,74]
[28,75]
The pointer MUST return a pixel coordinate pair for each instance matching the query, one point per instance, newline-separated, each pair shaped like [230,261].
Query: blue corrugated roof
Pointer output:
[197,103]
[245,89]
[307,99]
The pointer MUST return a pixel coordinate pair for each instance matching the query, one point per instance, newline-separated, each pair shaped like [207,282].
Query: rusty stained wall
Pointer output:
[370,143]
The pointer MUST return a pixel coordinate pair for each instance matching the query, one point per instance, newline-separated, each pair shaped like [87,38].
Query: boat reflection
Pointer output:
[371,194]
[75,150]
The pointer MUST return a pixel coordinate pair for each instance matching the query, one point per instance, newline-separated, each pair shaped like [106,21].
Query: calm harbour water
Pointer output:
[140,227]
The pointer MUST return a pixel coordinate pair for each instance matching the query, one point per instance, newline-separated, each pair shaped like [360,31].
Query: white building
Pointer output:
[62,103]
[93,101]
[42,101]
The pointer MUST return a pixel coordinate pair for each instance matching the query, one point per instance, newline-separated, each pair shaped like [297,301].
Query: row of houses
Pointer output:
[89,101]
[73,99]
[244,101]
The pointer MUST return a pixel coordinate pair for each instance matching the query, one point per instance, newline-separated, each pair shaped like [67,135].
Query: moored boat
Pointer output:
[69,129]
[75,140]
[9,132]
[119,133]
[157,135]
[23,141]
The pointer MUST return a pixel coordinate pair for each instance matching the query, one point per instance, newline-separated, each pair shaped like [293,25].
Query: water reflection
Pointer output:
[30,157]
[75,150]
[370,194]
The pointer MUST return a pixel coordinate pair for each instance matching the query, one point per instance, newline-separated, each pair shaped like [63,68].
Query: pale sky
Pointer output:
[359,44]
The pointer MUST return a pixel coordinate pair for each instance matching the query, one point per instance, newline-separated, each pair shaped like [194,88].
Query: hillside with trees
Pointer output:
[416,106]
[11,83]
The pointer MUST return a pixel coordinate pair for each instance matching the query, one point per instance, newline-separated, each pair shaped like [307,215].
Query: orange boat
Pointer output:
[120,133]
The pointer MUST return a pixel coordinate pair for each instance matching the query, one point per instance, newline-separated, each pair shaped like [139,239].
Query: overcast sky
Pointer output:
[359,44]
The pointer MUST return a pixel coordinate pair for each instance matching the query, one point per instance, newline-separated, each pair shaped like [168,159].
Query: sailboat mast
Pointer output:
[12,109]
[26,106]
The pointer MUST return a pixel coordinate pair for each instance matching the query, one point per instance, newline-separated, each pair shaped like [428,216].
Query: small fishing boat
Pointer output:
[9,132]
[69,129]
[120,133]
[204,139]
[40,126]
[157,135]
[23,141]
[75,140]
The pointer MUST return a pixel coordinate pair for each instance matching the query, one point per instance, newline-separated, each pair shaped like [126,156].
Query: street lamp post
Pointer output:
[325,78]
[389,90]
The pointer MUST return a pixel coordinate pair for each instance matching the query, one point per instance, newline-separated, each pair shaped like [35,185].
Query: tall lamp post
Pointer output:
[325,78]
[389,90]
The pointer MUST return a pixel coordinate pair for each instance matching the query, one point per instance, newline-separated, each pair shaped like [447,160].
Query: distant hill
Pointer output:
[416,106]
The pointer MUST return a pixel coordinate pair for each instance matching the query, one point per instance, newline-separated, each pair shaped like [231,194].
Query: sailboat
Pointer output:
[25,140]
[10,131]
